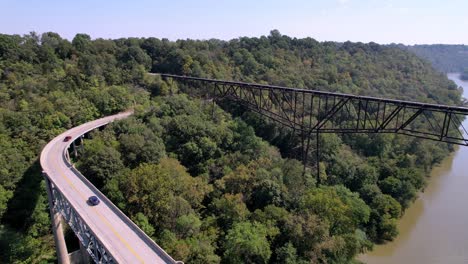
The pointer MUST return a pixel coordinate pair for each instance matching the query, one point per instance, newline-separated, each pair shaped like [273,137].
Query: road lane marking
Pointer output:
[105,221]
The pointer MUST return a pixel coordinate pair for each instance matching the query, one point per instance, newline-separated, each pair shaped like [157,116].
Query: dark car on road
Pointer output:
[67,138]
[93,200]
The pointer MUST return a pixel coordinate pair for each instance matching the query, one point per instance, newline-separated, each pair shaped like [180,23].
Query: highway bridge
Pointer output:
[105,233]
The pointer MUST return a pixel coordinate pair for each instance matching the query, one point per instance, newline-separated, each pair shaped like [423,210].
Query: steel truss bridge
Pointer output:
[311,112]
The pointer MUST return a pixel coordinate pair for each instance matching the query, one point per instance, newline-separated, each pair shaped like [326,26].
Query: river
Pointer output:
[435,227]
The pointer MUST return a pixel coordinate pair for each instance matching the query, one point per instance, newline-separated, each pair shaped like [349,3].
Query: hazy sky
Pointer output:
[381,21]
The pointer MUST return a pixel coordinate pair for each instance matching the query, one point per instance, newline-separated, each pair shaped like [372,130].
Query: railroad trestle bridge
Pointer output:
[310,112]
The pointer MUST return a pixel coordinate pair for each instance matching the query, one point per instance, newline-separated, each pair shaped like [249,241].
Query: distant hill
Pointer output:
[445,58]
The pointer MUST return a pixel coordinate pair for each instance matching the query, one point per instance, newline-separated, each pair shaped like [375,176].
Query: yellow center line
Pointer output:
[103,219]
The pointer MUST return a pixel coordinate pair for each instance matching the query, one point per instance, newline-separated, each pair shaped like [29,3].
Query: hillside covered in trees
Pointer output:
[445,58]
[211,183]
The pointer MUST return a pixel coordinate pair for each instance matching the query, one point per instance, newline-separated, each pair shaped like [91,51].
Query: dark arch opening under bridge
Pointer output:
[311,112]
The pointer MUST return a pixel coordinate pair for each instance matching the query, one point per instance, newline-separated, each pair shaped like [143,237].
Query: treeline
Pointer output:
[356,68]
[194,178]
[445,58]
[464,75]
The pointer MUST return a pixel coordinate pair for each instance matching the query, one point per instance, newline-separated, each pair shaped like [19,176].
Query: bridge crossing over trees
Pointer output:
[311,112]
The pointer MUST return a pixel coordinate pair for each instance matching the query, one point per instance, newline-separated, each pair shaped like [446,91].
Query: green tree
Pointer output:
[230,209]
[247,243]
[82,42]
[100,163]
[148,191]
[5,196]
[136,149]
[383,219]
[342,209]
[142,221]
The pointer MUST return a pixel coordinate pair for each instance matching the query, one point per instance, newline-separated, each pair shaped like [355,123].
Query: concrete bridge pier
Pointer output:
[82,144]
[57,228]
[80,256]
[75,151]
[67,154]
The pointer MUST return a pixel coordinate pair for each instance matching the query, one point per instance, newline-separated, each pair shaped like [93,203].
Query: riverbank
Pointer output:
[433,228]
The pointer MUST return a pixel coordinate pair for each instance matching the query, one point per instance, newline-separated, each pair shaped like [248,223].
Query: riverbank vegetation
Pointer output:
[444,58]
[199,177]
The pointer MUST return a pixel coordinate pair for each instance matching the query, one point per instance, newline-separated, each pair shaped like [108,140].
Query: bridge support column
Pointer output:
[67,155]
[84,254]
[317,157]
[80,256]
[82,144]
[75,151]
[57,228]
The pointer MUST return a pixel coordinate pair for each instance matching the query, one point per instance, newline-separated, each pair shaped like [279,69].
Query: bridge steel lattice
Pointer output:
[310,112]
[96,250]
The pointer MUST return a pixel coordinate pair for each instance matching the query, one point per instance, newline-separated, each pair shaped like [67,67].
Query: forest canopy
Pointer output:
[200,177]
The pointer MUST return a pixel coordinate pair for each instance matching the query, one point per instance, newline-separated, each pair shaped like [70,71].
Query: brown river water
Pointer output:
[435,227]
